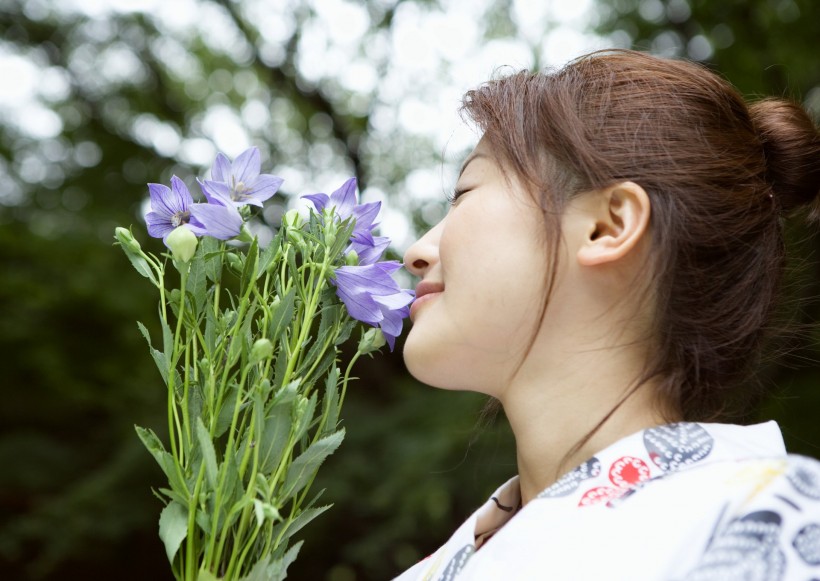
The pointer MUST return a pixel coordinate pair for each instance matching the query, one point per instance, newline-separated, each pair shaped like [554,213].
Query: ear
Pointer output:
[619,218]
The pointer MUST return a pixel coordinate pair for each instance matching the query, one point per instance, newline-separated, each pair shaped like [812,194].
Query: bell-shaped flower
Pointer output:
[368,248]
[240,181]
[173,207]
[372,296]
[344,204]
[170,208]
[219,217]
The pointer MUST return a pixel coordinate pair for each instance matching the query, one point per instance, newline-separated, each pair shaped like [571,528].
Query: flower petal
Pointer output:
[395,301]
[365,214]
[369,253]
[360,305]
[246,167]
[345,199]
[319,201]
[182,197]
[222,222]
[158,225]
[215,192]
[162,200]
[265,186]
[221,171]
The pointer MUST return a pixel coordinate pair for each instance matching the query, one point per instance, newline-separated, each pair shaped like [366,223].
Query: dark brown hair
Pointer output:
[720,173]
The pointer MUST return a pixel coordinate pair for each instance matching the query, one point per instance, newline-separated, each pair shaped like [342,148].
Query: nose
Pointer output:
[423,253]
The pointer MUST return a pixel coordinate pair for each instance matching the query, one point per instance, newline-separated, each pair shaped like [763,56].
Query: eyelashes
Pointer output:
[453,196]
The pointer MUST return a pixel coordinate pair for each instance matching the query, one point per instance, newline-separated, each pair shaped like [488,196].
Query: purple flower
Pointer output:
[219,217]
[170,208]
[240,181]
[367,247]
[344,203]
[174,206]
[373,297]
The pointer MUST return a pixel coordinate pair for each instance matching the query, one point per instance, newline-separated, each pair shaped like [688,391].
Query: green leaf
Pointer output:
[225,414]
[251,266]
[208,452]
[164,459]
[342,238]
[197,281]
[268,258]
[306,465]
[158,357]
[140,264]
[307,417]
[275,432]
[282,314]
[212,257]
[167,340]
[173,528]
[304,518]
[210,332]
[273,570]
[330,402]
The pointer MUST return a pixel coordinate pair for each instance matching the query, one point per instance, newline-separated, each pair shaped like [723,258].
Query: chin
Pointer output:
[425,361]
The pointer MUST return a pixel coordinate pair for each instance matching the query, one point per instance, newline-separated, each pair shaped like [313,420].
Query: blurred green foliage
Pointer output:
[76,375]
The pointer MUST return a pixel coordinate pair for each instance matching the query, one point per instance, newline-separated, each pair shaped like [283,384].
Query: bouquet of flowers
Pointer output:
[249,354]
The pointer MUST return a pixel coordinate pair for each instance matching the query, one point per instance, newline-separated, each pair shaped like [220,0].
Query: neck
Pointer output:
[555,415]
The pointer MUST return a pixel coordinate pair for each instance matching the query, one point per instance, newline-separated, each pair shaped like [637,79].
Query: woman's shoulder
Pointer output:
[773,532]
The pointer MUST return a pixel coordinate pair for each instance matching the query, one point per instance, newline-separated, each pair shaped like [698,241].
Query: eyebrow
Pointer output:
[474,155]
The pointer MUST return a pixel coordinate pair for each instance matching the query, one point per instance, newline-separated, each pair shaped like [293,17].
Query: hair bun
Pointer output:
[791,143]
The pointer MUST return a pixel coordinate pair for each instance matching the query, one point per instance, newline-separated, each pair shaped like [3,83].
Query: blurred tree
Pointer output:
[98,98]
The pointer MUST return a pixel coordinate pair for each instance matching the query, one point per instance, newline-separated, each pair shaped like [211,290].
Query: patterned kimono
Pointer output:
[683,501]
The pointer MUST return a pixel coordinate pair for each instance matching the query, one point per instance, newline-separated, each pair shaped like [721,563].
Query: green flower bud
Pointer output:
[351,258]
[295,237]
[182,242]
[126,239]
[300,406]
[372,340]
[330,239]
[234,262]
[293,219]
[262,349]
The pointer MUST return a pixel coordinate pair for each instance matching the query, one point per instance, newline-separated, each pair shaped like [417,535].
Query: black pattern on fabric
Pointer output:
[746,549]
[675,445]
[804,475]
[807,543]
[457,563]
[570,481]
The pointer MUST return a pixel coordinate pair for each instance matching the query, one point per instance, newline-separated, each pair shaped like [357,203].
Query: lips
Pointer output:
[425,291]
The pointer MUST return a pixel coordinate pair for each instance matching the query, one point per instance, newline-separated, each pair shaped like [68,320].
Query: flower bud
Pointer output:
[234,262]
[296,237]
[351,258]
[299,408]
[262,349]
[372,340]
[293,219]
[126,239]
[182,242]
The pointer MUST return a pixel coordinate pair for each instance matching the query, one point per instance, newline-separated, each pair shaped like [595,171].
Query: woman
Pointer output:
[608,271]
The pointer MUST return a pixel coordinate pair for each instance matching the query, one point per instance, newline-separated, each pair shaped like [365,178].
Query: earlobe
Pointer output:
[619,220]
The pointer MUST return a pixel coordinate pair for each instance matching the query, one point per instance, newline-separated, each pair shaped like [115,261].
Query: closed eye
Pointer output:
[453,196]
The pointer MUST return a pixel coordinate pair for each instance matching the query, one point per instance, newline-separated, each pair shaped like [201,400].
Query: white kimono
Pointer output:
[684,501]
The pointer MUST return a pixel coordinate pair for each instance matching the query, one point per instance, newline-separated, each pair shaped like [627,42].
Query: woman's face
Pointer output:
[482,288]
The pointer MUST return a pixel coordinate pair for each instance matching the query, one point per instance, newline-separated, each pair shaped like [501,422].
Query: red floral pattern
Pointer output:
[625,473]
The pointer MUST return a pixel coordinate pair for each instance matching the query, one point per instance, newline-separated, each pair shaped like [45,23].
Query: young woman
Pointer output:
[608,271]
